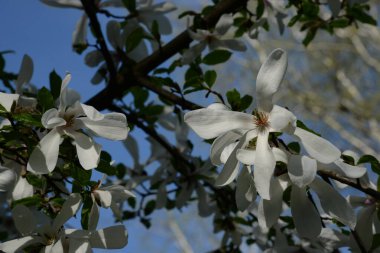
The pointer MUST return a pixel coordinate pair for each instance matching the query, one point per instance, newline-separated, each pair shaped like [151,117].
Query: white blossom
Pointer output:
[23,78]
[70,119]
[49,235]
[218,38]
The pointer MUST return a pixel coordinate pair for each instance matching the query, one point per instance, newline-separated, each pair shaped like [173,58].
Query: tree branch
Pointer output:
[142,68]
[91,9]
[332,175]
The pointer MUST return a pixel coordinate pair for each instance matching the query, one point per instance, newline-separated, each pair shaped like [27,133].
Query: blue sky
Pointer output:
[44,33]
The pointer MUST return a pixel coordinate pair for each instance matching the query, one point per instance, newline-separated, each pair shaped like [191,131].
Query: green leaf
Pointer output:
[237,103]
[210,78]
[86,210]
[149,207]
[146,222]
[340,23]
[36,181]
[55,84]
[375,242]
[309,36]
[35,200]
[28,119]
[127,215]
[134,39]
[81,175]
[140,96]
[156,31]
[130,5]
[45,99]
[375,165]
[358,12]
[104,165]
[295,146]
[300,124]
[217,57]
[260,9]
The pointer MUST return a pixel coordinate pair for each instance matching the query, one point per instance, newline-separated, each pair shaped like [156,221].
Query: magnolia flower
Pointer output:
[218,120]
[367,224]
[273,9]
[147,13]
[70,119]
[215,39]
[49,235]
[116,37]
[107,197]
[115,237]
[23,78]
[246,131]
[13,182]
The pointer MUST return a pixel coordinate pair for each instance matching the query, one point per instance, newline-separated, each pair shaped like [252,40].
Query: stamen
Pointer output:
[261,120]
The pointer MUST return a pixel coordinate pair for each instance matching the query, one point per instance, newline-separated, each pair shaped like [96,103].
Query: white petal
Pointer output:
[87,149]
[364,225]
[44,157]
[270,77]
[113,34]
[356,201]
[280,155]
[18,244]
[7,100]
[115,237]
[245,189]
[131,144]
[227,151]
[51,119]
[230,169]
[224,23]
[306,217]
[91,112]
[79,36]
[233,44]
[25,73]
[113,126]
[63,3]
[349,170]
[119,192]
[7,178]
[24,220]
[302,170]
[246,156]
[317,147]
[79,246]
[264,165]
[161,196]
[63,95]
[333,203]
[22,189]
[190,54]
[281,118]
[334,6]
[208,123]
[270,210]
[93,58]
[69,209]
[205,208]
[104,197]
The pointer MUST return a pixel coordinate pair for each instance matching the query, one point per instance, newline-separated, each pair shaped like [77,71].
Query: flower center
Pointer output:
[261,120]
[69,118]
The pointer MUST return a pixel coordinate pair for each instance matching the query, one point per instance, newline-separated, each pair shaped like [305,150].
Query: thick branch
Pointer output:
[332,175]
[180,42]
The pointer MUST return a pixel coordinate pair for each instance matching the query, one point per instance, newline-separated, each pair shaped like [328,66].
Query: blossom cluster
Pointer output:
[77,123]
[248,140]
